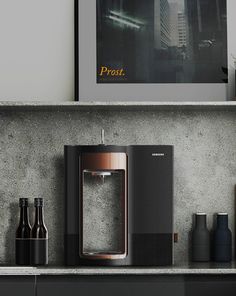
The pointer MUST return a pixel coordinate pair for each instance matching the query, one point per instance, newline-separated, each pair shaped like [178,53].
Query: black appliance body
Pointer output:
[147,203]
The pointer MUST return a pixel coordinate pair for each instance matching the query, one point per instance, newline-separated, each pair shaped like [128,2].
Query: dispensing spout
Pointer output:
[102,137]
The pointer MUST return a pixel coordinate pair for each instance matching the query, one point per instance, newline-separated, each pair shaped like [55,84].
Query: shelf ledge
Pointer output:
[89,106]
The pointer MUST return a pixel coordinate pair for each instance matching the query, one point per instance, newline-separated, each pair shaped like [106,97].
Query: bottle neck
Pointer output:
[222,222]
[24,215]
[201,222]
[39,215]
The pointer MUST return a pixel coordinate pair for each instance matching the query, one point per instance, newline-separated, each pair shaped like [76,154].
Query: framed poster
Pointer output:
[151,50]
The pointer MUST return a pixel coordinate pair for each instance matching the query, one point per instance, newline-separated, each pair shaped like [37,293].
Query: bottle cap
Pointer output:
[38,202]
[23,202]
[222,214]
[200,214]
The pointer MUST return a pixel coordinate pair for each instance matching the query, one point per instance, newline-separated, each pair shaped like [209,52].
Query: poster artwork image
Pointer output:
[161,41]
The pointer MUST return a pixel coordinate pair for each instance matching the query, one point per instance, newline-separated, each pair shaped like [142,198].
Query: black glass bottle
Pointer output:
[39,236]
[22,242]
[200,239]
[222,240]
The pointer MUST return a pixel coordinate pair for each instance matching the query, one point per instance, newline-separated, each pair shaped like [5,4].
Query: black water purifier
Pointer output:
[132,187]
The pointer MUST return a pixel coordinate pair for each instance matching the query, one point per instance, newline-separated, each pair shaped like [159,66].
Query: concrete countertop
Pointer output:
[210,269]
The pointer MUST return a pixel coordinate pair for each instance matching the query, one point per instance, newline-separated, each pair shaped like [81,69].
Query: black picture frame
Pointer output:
[76,49]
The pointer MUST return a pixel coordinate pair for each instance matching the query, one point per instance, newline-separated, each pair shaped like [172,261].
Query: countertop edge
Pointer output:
[34,271]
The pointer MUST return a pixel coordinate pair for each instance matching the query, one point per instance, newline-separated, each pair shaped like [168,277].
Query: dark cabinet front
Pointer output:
[178,285]
[210,285]
[125,285]
[17,286]
[110,285]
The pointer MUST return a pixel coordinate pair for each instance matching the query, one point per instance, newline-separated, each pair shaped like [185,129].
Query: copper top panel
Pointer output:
[104,161]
